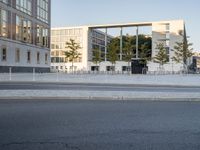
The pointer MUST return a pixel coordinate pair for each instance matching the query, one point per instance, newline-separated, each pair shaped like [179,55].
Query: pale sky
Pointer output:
[85,12]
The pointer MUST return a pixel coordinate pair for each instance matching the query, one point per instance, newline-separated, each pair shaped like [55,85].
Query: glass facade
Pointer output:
[32,24]
[98,42]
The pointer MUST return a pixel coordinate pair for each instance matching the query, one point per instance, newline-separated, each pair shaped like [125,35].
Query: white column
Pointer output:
[106,43]
[121,38]
[137,43]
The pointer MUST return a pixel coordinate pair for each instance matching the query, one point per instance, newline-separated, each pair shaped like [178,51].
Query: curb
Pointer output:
[101,98]
[101,84]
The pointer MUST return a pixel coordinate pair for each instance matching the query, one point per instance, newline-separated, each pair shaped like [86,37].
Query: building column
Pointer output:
[121,44]
[137,42]
[106,43]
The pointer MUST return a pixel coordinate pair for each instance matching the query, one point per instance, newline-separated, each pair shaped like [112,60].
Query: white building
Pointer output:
[166,32]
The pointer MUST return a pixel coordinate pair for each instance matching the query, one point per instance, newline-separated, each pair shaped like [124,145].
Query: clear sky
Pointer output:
[85,12]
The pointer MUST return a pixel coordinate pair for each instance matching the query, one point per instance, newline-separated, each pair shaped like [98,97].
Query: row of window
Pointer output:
[62,45]
[98,35]
[67,32]
[65,60]
[42,10]
[64,68]
[24,30]
[66,38]
[26,7]
[28,56]
[110,68]
[93,68]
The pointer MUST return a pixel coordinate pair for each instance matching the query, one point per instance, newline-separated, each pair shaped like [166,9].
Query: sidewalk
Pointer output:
[159,80]
[181,80]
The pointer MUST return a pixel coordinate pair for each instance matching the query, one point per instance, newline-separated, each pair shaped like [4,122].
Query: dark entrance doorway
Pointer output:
[137,67]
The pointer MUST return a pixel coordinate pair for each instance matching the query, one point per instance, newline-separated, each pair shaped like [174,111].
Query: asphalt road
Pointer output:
[99,125]
[97,87]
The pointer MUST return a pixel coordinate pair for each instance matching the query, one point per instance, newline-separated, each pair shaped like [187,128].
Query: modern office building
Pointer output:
[59,37]
[166,32]
[25,35]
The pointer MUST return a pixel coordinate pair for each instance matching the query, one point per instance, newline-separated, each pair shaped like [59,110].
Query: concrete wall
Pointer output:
[168,37]
[11,47]
[103,65]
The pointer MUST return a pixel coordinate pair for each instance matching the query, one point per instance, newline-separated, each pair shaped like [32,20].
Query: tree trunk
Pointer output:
[72,67]
[112,68]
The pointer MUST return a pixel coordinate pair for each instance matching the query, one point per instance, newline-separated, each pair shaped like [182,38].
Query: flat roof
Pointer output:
[135,24]
[121,25]
[118,25]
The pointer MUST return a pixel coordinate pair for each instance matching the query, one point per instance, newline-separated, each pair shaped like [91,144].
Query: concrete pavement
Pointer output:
[37,90]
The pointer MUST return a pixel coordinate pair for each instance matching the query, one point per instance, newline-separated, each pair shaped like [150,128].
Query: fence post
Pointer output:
[57,75]
[33,74]
[10,73]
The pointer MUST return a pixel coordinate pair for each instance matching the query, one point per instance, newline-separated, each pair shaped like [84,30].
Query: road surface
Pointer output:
[99,125]
[97,87]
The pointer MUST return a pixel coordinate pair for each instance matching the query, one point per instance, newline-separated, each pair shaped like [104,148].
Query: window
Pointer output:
[167,51]
[24,6]
[46,58]
[28,57]
[167,35]
[17,55]
[42,36]
[4,54]
[110,68]
[38,57]
[94,68]
[126,68]
[3,23]
[167,27]
[167,43]
[42,10]
[23,29]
